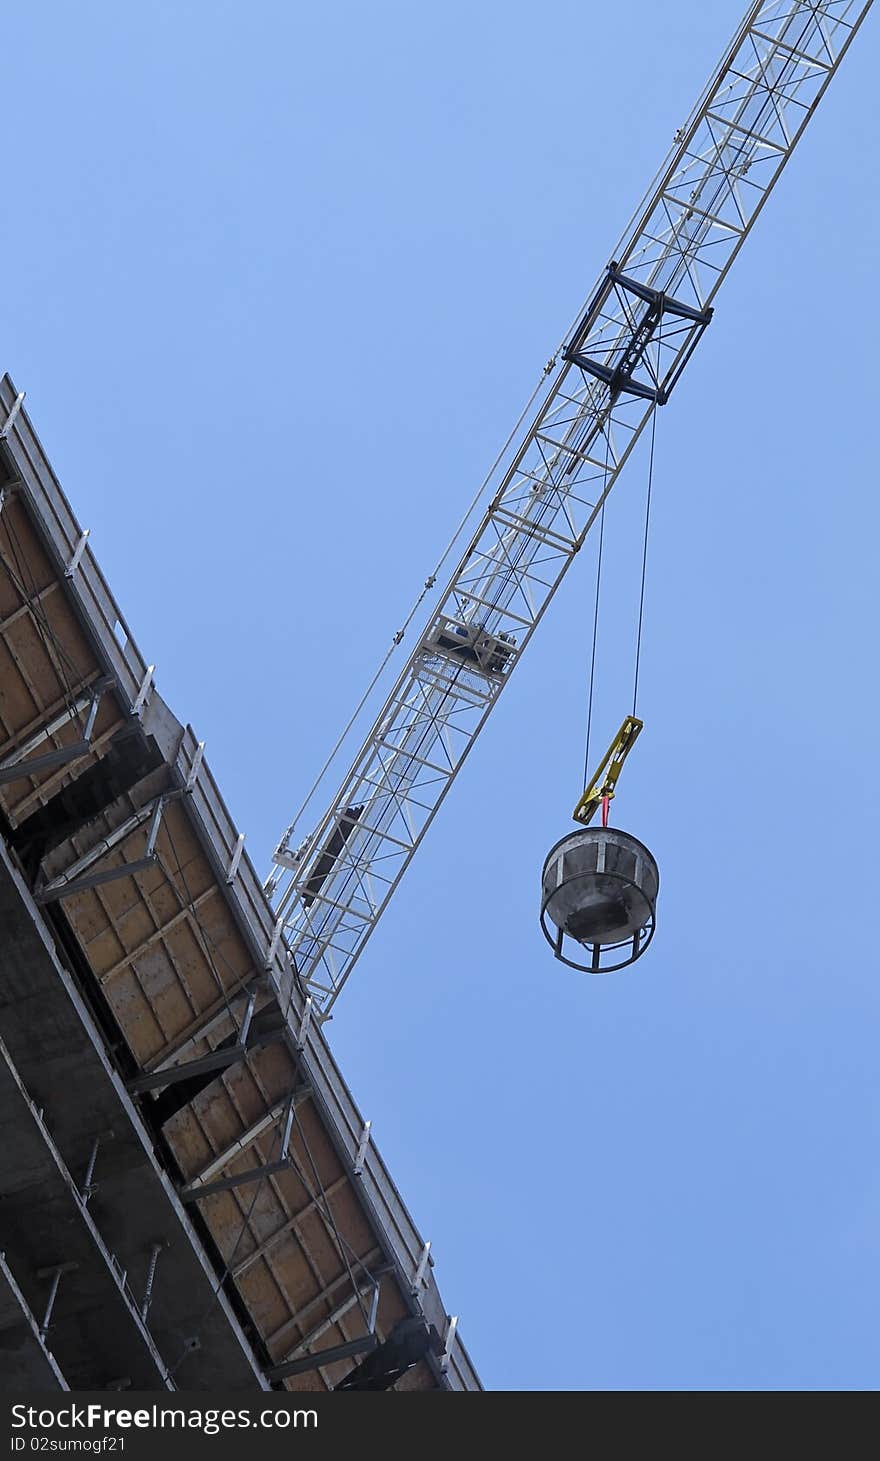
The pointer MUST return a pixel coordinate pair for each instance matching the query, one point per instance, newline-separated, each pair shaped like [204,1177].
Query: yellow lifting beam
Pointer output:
[605,779]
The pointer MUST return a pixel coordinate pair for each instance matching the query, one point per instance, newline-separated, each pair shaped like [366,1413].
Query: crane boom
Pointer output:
[620,361]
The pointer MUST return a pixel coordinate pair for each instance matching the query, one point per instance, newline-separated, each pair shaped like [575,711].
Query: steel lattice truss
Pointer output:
[637,333]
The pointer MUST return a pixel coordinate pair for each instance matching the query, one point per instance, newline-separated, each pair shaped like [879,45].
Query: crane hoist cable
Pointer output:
[599,789]
[644,561]
[599,886]
[597,595]
[595,627]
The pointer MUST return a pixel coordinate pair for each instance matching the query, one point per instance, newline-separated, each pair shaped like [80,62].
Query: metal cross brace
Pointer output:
[153,1080]
[363,1345]
[14,767]
[359,1291]
[13,412]
[77,877]
[196,1191]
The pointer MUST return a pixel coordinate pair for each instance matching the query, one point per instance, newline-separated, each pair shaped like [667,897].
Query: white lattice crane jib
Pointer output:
[620,361]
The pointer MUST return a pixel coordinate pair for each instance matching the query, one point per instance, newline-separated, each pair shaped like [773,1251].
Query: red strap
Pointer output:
[605,801]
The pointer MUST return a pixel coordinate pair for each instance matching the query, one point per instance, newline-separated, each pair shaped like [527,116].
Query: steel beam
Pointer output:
[341,1309]
[235,1148]
[198,1189]
[76,878]
[16,768]
[171,1075]
[239,1179]
[323,1357]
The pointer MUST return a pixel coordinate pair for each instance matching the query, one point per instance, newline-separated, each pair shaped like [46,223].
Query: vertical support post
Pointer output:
[88,1186]
[364,1142]
[374,1306]
[92,717]
[154,827]
[235,859]
[288,1126]
[248,1016]
[273,943]
[144,691]
[151,1274]
[50,1303]
[13,412]
[448,1342]
[78,551]
[196,763]
[55,1274]
[304,1024]
[418,1277]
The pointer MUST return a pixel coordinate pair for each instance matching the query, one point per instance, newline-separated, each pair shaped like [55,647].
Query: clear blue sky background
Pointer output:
[277,281]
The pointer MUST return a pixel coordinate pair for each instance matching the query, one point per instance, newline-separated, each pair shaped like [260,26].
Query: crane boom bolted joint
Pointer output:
[622,375]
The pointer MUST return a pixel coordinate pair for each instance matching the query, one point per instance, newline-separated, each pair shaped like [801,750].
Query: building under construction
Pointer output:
[189,1197]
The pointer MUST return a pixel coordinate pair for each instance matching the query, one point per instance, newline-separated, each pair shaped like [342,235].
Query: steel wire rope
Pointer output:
[644,560]
[648,494]
[596,616]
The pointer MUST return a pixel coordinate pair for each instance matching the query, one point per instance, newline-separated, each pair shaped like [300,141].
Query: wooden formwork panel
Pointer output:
[46,663]
[172,964]
[162,944]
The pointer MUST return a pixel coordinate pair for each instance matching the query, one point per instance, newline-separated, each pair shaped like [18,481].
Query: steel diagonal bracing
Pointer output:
[623,357]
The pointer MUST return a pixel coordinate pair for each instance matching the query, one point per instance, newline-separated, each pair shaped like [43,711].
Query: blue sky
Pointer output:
[277,283]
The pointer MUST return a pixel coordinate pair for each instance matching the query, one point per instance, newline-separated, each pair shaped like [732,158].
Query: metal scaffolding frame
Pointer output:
[622,359]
